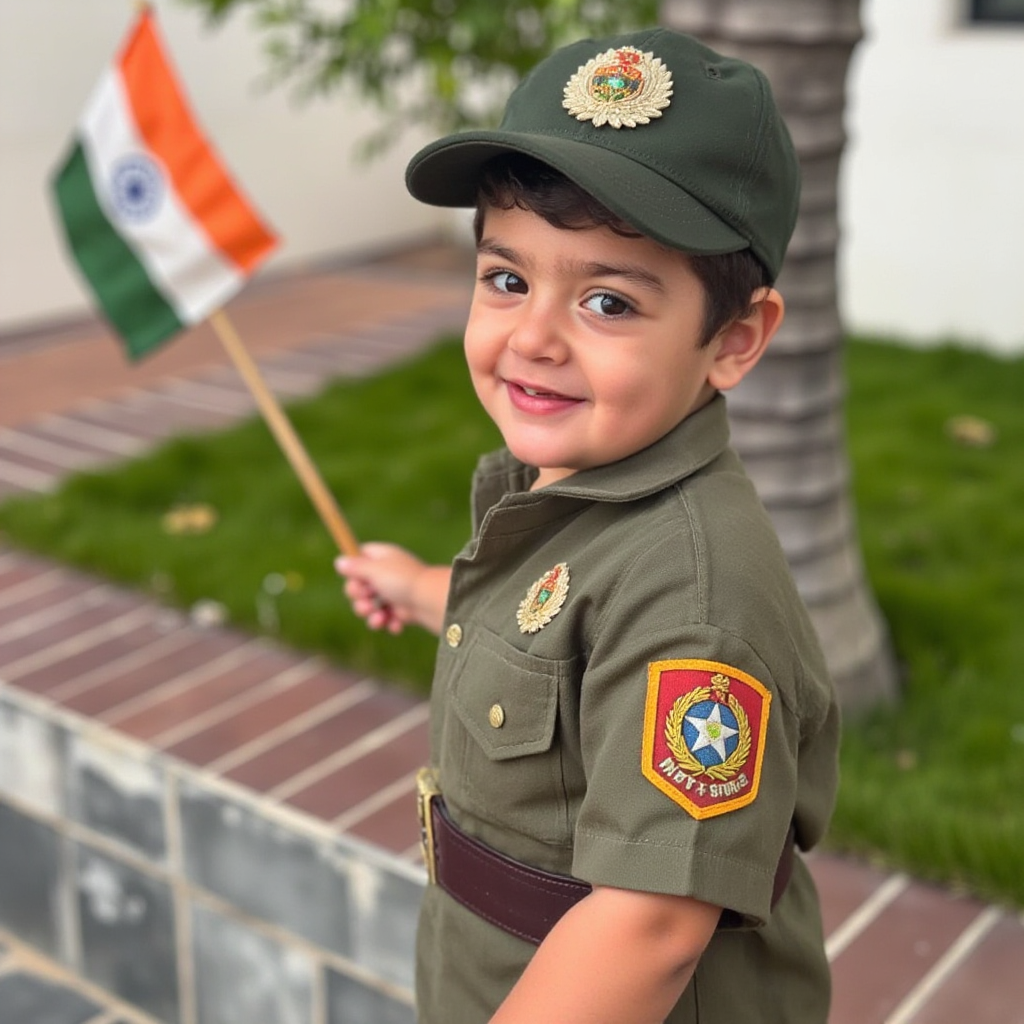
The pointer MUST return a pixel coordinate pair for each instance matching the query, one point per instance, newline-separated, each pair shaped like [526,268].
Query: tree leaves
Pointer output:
[445,63]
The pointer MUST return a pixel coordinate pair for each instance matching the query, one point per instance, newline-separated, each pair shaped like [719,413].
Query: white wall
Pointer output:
[932,197]
[933,181]
[294,161]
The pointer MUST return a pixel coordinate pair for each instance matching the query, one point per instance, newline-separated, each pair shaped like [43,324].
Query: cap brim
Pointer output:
[447,173]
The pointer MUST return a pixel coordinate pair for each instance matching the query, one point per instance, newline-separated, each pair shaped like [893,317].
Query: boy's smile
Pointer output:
[583,345]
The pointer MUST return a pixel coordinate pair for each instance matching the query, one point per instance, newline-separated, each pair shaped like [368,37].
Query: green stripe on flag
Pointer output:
[134,306]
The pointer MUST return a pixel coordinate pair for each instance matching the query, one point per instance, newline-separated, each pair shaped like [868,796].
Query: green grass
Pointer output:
[933,785]
[937,784]
[397,451]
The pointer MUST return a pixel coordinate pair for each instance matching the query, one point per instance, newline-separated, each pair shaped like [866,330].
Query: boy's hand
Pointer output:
[390,588]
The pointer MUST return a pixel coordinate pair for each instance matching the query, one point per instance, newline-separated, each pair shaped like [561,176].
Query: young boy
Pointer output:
[631,717]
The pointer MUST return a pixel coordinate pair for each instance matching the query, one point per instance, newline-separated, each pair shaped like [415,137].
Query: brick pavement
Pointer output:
[301,732]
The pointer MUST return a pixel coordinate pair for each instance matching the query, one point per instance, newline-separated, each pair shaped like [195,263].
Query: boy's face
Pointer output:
[583,345]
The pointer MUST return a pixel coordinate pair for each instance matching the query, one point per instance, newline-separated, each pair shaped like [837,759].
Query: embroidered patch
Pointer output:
[704,732]
[619,87]
[543,600]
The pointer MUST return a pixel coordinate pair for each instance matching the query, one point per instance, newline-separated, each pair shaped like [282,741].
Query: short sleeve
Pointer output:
[690,748]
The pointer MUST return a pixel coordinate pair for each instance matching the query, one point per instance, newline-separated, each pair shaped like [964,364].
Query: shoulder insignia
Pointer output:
[620,87]
[544,599]
[704,733]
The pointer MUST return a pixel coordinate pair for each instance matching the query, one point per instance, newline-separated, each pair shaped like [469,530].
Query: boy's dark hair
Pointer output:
[514,180]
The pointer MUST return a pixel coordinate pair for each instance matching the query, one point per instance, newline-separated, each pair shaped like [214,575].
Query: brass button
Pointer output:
[496,716]
[453,635]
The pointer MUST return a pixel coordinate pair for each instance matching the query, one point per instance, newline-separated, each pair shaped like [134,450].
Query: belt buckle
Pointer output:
[426,792]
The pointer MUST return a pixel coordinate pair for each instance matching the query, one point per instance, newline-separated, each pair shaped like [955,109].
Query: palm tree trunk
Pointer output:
[787,417]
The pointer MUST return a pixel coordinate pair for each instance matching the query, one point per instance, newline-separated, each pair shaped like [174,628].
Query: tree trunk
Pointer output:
[787,417]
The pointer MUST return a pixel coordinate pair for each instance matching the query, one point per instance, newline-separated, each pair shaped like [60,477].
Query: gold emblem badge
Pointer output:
[544,599]
[619,87]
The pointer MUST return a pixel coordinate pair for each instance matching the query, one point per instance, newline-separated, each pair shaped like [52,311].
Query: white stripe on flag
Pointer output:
[176,252]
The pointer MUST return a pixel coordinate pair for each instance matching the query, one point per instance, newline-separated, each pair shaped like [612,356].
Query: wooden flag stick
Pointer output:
[284,432]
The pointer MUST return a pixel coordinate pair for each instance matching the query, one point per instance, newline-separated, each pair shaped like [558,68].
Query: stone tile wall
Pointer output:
[187,896]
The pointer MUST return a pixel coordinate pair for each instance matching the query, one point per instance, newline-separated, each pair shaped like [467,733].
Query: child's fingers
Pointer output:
[356,589]
[344,565]
[370,551]
[376,582]
[382,617]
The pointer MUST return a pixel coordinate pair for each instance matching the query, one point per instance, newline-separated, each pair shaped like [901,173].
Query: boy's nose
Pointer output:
[538,334]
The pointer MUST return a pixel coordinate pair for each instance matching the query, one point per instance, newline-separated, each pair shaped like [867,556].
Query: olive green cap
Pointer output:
[701,161]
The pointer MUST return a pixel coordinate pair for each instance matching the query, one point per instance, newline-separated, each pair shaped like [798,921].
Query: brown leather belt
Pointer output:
[522,900]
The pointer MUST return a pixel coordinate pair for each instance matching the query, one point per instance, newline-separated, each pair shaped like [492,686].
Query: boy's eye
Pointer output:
[506,281]
[607,304]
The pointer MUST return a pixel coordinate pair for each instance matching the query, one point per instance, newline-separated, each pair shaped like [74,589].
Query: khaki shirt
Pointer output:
[550,745]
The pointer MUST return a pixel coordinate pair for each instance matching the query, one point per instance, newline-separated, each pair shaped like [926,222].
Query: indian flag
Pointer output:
[161,233]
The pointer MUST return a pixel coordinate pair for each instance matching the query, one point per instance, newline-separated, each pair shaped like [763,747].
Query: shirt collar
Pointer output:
[688,447]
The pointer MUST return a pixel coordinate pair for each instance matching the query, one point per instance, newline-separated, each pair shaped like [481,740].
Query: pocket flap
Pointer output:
[494,675]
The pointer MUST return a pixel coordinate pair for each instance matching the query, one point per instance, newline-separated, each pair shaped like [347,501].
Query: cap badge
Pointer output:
[622,88]
[544,599]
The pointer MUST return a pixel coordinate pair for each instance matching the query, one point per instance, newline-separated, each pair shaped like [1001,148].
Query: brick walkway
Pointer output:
[341,748]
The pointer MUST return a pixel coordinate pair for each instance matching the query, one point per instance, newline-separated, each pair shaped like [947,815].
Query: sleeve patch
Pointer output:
[704,733]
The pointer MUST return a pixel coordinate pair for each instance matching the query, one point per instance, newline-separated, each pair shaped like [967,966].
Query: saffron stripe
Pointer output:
[164,120]
[190,272]
[135,308]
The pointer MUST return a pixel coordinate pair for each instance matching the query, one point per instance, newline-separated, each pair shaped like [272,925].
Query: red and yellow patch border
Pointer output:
[666,695]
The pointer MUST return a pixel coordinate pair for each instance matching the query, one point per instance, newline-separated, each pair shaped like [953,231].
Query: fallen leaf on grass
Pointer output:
[971,431]
[189,519]
[906,760]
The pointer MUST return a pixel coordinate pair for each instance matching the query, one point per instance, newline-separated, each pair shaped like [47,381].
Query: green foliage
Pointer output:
[445,63]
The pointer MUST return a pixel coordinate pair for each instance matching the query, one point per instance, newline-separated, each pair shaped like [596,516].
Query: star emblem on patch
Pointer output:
[704,733]
[708,738]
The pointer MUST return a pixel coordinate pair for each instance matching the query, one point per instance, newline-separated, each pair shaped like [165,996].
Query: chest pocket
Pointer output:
[500,755]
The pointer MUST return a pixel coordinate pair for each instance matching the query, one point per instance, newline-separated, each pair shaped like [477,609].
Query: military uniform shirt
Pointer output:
[538,738]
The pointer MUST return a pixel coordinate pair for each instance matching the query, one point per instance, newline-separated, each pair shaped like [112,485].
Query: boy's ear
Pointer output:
[740,344]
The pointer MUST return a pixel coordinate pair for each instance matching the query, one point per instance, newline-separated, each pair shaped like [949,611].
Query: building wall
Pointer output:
[295,161]
[933,179]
